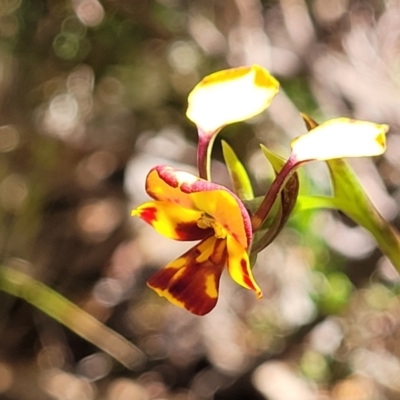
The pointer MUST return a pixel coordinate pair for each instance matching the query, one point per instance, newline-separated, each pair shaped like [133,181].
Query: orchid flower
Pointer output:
[333,139]
[189,208]
[223,98]
[339,138]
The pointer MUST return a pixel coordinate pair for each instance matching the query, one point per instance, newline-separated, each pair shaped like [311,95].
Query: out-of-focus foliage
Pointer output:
[93,94]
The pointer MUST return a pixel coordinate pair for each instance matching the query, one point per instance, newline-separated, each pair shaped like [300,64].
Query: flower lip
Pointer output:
[192,280]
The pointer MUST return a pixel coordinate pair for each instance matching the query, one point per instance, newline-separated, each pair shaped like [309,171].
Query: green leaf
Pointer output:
[287,201]
[276,160]
[238,174]
[350,198]
[69,314]
[305,203]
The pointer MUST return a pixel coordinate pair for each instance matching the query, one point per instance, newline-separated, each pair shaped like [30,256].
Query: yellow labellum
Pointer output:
[229,96]
[341,137]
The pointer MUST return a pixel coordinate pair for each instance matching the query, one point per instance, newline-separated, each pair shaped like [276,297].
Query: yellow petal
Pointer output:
[172,220]
[227,212]
[169,185]
[341,137]
[164,183]
[238,265]
[229,96]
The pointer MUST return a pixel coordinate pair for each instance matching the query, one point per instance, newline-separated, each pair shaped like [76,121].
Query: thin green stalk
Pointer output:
[69,314]
[388,239]
[386,235]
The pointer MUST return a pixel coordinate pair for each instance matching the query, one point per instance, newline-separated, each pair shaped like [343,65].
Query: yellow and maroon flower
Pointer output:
[188,208]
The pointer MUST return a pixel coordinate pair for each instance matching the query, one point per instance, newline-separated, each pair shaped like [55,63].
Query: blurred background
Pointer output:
[92,95]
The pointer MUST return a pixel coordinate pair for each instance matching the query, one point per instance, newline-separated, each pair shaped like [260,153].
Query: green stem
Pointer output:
[388,239]
[67,313]
[386,235]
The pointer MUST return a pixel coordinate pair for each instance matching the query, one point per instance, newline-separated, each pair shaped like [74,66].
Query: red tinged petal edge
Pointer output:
[173,185]
[172,221]
[148,214]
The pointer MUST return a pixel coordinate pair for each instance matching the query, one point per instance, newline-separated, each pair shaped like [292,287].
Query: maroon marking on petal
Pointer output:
[190,287]
[235,235]
[245,274]
[190,231]
[162,278]
[168,175]
[219,253]
[149,214]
